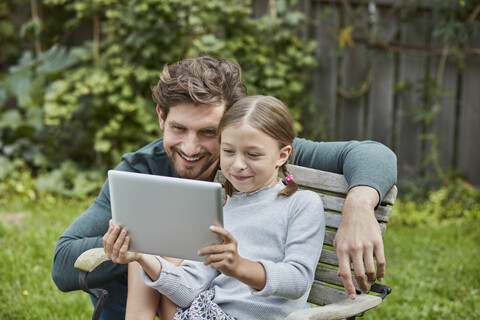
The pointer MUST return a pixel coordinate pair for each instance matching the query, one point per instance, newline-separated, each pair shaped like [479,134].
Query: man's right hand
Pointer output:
[115,245]
[359,241]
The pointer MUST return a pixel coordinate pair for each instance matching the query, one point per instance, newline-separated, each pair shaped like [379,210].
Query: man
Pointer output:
[191,97]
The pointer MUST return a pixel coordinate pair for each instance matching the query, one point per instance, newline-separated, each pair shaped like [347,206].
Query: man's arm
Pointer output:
[370,169]
[366,163]
[85,233]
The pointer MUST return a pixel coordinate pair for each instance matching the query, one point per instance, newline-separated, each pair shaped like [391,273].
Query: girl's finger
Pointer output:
[226,236]
[215,259]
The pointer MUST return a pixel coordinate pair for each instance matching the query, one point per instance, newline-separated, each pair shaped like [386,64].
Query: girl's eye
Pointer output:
[228,151]
[253,155]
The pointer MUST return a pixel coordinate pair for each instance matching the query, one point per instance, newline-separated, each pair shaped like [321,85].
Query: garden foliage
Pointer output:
[75,106]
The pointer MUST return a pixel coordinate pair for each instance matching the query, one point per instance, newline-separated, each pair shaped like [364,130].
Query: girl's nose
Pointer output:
[239,163]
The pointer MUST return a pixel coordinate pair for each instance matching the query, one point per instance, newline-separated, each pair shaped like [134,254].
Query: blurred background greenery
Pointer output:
[67,111]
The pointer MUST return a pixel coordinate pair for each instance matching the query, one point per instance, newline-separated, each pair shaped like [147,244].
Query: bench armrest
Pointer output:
[339,310]
[90,259]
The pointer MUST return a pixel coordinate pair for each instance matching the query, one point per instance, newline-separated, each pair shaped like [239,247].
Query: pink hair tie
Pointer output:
[289,179]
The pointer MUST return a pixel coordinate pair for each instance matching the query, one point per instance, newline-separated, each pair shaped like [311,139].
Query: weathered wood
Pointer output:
[329,257]
[469,130]
[328,275]
[340,310]
[398,64]
[381,94]
[412,69]
[445,71]
[324,295]
[331,182]
[324,82]
[354,76]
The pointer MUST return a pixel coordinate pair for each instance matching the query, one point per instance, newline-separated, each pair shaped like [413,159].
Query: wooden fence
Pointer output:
[382,86]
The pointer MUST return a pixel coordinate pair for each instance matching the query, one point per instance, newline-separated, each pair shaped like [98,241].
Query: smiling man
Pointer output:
[190,139]
[191,97]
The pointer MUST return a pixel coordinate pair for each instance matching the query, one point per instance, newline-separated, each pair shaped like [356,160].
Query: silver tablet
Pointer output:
[165,216]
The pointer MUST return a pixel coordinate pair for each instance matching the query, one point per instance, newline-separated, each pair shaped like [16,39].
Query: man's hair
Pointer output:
[271,117]
[199,80]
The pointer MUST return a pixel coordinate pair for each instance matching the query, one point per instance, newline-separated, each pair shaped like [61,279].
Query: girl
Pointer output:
[272,233]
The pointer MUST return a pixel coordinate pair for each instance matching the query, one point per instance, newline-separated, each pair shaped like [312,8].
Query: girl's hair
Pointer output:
[268,115]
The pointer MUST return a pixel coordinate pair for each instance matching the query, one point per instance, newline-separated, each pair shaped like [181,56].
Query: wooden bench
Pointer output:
[327,290]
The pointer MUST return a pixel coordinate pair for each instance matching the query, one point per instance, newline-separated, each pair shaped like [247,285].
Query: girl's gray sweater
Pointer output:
[284,234]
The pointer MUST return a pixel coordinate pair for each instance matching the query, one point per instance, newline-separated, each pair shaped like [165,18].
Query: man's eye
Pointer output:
[210,133]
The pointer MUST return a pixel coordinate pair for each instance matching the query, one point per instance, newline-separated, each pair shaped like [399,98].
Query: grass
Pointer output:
[28,234]
[433,270]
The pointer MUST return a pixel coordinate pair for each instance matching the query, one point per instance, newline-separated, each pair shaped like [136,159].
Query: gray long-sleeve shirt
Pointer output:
[363,163]
[284,234]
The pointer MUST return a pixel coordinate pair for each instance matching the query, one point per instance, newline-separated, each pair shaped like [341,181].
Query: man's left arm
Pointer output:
[370,169]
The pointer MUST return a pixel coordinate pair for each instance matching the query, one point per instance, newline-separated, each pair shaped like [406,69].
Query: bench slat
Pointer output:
[328,275]
[321,294]
[328,181]
[335,204]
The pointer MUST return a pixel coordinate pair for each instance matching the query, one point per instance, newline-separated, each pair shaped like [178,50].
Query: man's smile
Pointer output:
[189,159]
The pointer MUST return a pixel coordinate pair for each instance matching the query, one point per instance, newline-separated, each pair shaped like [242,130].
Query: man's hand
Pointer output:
[115,245]
[359,240]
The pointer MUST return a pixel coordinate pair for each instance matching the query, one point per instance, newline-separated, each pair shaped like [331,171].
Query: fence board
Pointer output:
[444,125]
[411,69]
[353,75]
[325,77]
[469,135]
[381,95]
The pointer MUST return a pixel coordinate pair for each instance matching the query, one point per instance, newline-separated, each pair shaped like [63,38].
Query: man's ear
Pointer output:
[283,155]
[161,119]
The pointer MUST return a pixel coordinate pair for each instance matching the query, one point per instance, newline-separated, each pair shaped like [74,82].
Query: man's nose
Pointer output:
[191,145]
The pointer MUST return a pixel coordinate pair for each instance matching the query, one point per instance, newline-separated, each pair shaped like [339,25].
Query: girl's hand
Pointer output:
[223,257]
[115,245]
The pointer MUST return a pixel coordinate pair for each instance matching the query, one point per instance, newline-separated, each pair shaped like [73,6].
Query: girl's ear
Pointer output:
[283,155]
[161,119]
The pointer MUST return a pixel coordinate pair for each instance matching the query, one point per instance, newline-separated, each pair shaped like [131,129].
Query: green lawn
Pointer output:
[28,233]
[434,271]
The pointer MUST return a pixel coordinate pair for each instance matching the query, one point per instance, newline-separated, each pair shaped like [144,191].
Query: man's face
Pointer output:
[190,139]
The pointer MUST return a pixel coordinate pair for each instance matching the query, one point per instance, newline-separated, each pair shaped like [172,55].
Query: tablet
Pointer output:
[165,216]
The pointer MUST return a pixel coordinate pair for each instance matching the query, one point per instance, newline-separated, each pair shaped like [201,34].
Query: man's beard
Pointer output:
[190,171]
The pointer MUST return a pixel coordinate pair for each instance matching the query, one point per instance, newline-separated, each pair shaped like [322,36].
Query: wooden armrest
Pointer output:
[339,310]
[90,259]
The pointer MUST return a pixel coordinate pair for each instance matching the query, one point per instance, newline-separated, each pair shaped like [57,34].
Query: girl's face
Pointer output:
[249,158]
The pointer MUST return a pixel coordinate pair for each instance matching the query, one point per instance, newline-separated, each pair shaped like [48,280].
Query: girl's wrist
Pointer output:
[150,265]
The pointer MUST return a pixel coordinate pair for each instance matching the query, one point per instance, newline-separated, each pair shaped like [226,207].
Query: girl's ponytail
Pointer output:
[291,186]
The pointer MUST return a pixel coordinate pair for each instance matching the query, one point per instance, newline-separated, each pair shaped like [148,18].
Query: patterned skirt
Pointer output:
[202,308]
